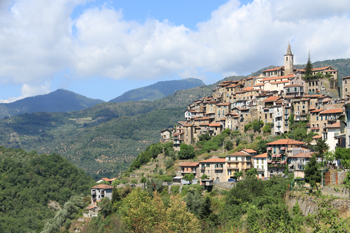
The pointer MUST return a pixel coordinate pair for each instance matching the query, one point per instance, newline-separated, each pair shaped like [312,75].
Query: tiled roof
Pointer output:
[259,84]
[102,186]
[317,110]
[346,77]
[303,155]
[335,125]
[280,77]
[293,85]
[250,151]
[223,104]
[278,82]
[317,69]
[214,160]
[106,179]
[189,164]
[232,85]
[177,134]
[329,111]
[239,154]
[214,125]
[271,99]
[273,69]
[264,155]
[248,89]
[317,136]
[286,142]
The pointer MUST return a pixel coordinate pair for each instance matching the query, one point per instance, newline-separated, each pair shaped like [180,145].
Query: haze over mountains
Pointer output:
[158,90]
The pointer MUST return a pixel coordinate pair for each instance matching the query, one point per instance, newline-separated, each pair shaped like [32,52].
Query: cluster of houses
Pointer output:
[280,154]
[273,97]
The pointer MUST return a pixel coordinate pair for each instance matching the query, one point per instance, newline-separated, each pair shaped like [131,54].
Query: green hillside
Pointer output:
[103,139]
[57,101]
[158,90]
[29,182]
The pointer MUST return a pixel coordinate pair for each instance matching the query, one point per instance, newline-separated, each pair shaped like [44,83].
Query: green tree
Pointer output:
[115,182]
[193,201]
[252,173]
[312,174]
[154,185]
[308,68]
[321,148]
[168,179]
[189,177]
[143,180]
[186,151]
[169,162]
[106,207]
[134,181]
[205,209]
[257,125]
[291,119]
[238,174]
[204,137]
[229,145]
[115,195]
[204,176]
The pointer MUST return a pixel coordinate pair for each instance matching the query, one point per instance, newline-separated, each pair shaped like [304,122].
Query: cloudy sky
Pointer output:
[101,48]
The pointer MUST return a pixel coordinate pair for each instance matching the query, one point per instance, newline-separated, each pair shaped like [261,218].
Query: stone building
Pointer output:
[346,87]
[100,191]
[190,167]
[214,168]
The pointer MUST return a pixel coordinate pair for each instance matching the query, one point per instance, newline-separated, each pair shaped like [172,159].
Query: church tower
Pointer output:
[288,61]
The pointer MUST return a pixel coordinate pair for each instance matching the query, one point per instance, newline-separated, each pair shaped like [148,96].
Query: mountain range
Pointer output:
[105,138]
[158,90]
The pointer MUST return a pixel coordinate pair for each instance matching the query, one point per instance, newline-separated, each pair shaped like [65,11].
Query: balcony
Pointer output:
[219,168]
[278,114]
[177,142]
[277,165]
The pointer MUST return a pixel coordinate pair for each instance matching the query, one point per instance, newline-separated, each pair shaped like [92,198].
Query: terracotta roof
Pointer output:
[250,151]
[317,69]
[102,186]
[259,84]
[106,179]
[280,77]
[264,155]
[273,69]
[204,124]
[189,164]
[239,154]
[271,99]
[346,77]
[224,104]
[317,110]
[214,160]
[286,142]
[329,111]
[286,81]
[248,89]
[177,134]
[303,155]
[91,207]
[293,85]
[232,85]
[305,99]
[317,136]
[335,125]
[250,78]
[214,124]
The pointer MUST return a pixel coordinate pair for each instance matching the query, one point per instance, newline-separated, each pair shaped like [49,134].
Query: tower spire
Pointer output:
[289,50]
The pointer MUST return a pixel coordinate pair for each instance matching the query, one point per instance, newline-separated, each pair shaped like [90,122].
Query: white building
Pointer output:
[100,191]
[260,163]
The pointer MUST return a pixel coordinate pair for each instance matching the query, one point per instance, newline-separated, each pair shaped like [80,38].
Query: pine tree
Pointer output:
[205,210]
[308,68]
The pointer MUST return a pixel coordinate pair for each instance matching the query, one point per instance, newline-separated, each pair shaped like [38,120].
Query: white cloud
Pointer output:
[37,40]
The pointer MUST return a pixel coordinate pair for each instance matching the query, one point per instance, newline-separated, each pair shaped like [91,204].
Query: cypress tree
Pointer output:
[308,68]
[312,175]
[115,195]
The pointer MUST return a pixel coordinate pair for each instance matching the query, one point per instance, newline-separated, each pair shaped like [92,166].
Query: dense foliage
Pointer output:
[29,182]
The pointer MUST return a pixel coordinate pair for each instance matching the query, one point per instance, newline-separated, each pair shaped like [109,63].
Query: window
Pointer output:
[317,118]
[346,89]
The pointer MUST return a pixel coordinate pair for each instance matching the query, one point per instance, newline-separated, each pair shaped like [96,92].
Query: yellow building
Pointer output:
[239,161]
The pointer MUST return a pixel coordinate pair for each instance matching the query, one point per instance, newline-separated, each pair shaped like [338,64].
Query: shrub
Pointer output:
[175,189]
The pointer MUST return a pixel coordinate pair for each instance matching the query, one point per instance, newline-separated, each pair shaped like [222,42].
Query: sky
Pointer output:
[101,49]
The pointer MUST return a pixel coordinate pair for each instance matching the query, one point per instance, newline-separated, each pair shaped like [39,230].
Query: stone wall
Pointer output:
[334,177]
[225,185]
[337,192]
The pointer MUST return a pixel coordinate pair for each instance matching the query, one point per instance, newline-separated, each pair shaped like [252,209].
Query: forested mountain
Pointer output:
[158,90]
[103,139]
[57,101]
[30,182]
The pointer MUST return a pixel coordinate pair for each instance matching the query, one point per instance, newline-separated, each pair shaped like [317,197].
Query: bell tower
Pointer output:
[288,61]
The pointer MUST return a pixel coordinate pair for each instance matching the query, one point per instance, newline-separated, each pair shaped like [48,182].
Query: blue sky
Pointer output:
[101,49]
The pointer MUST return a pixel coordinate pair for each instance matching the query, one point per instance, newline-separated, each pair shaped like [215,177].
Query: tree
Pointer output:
[115,182]
[291,119]
[189,177]
[205,210]
[321,148]
[134,181]
[257,125]
[193,201]
[143,180]
[204,137]
[238,174]
[168,179]
[154,185]
[169,162]
[115,195]
[186,151]
[308,68]
[228,145]
[252,172]
[312,174]
[204,176]
[106,206]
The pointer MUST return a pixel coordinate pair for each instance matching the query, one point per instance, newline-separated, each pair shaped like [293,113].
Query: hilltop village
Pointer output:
[275,98]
